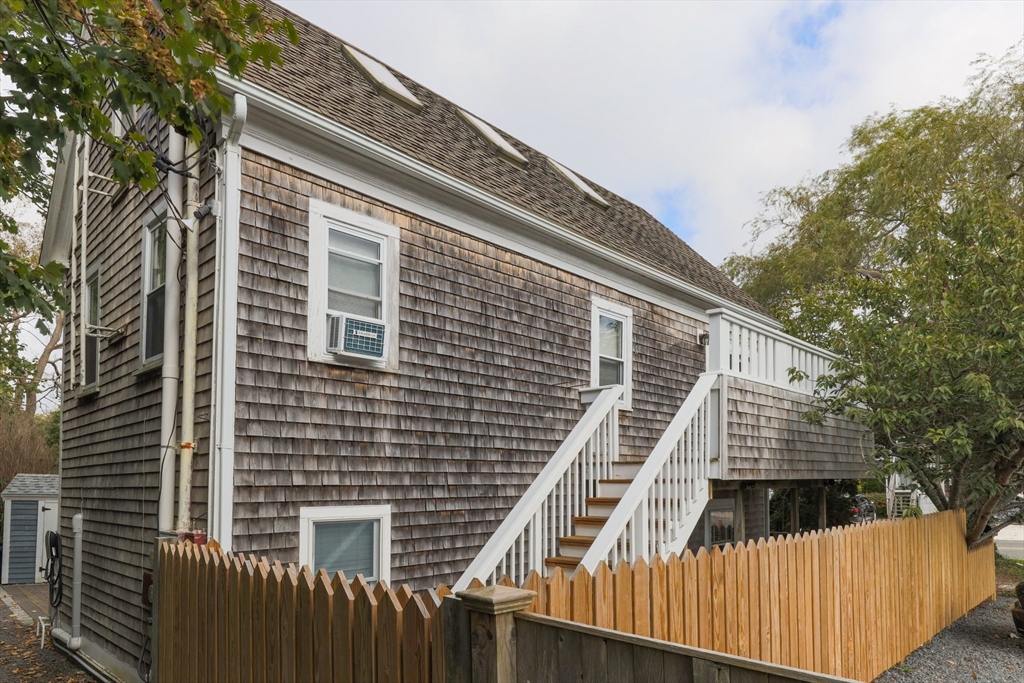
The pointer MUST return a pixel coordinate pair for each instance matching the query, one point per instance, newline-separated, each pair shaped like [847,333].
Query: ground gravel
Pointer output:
[981,646]
[21,660]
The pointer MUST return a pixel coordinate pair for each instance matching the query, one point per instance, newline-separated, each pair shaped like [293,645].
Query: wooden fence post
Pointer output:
[492,630]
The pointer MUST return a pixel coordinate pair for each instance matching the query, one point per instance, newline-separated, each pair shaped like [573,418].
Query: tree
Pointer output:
[26,374]
[74,64]
[908,261]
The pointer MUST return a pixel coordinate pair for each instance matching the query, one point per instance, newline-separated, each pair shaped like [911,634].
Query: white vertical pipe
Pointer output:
[86,144]
[172,313]
[188,388]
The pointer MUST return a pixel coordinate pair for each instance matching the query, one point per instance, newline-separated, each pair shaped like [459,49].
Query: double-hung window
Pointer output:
[353,288]
[92,321]
[154,285]
[352,539]
[612,347]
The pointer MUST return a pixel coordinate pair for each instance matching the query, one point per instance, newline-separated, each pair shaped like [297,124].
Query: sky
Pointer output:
[690,109]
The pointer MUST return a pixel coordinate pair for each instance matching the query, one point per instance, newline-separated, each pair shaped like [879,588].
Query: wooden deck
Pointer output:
[31,597]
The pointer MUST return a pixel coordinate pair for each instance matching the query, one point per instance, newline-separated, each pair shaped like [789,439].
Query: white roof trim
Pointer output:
[588,192]
[381,77]
[493,138]
[56,244]
[320,125]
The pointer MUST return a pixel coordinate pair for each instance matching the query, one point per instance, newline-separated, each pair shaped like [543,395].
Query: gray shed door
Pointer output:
[22,543]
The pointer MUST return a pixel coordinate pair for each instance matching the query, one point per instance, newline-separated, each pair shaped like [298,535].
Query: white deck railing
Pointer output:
[743,347]
[662,506]
[531,531]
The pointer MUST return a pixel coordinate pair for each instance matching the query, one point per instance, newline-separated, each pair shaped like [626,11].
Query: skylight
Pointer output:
[381,77]
[491,136]
[583,187]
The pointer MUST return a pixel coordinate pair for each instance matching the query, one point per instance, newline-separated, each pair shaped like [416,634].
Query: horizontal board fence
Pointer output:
[847,602]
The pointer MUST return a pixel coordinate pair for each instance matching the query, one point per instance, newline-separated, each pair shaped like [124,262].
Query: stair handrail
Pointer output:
[596,438]
[651,489]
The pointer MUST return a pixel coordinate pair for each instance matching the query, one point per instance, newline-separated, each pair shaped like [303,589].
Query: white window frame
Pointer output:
[611,309]
[347,513]
[92,274]
[322,218]
[152,220]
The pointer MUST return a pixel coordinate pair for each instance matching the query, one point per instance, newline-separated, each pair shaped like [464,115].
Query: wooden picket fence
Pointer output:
[849,601]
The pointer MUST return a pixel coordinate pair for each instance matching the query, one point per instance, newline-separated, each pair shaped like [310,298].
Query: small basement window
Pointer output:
[352,539]
[494,139]
[382,79]
[611,344]
[154,285]
[353,288]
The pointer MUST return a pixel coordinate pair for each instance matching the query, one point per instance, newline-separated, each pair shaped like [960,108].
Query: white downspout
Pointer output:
[86,150]
[188,382]
[222,461]
[73,640]
[172,313]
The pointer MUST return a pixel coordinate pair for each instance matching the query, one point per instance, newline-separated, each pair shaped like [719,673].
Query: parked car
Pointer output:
[861,509]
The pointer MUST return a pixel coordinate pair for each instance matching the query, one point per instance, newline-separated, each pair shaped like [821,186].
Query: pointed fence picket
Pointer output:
[848,601]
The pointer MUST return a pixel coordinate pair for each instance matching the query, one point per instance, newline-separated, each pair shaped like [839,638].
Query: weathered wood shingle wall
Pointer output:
[769,440]
[493,348]
[109,454]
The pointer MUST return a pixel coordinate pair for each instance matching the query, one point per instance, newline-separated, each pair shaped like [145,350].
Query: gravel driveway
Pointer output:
[977,647]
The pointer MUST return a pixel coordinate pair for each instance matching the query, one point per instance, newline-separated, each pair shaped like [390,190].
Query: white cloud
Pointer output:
[690,109]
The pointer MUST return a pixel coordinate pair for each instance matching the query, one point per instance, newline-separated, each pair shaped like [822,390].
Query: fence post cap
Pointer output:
[496,599]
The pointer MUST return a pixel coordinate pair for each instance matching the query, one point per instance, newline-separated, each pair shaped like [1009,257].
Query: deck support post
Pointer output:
[740,517]
[822,509]
[492,630]
[794,510]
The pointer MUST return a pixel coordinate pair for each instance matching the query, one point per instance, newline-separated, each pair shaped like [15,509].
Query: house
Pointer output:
[30,510]
[377,333]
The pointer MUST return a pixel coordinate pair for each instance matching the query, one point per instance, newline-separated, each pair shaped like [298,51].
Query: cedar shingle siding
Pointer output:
[768,439]
[493,348]
[109,453]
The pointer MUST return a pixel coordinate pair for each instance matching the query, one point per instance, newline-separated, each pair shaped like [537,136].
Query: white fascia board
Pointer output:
[56,244]
[327,130]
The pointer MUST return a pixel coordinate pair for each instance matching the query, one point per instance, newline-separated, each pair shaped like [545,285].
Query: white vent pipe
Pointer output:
[73,640]
[172,314]
[188,381]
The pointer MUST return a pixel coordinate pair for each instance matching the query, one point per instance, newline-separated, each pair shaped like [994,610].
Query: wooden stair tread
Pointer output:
[563,562]
[590,520]
[578,541]
[615,481]
[604,500]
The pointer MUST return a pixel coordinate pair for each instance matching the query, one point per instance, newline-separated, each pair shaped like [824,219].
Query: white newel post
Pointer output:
[718,348]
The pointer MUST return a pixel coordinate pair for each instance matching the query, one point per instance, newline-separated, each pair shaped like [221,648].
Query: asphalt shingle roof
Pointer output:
[317,75]
[43,485]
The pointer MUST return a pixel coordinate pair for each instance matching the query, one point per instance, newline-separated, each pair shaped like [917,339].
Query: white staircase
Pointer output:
[587,505]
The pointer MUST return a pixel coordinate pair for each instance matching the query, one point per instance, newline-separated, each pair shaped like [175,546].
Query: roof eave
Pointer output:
[320,125]
[56,245]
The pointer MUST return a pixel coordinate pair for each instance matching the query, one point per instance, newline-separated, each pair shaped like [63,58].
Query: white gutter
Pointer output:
[325,128]
[73,640]
[225,315]
[172,313]
[188,385]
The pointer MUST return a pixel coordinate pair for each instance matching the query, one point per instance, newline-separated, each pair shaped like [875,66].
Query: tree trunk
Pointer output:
[1003,477]
[32,390]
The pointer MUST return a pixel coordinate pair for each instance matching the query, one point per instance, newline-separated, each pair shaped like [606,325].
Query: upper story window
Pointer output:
[154,285]
[92,321]
[353,539]
[611,344]
[353,288]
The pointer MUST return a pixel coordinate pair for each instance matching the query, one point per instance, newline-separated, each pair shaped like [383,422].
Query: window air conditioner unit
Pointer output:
[348,335]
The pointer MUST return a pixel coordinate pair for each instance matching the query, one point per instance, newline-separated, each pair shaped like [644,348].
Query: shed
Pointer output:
[30,510]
